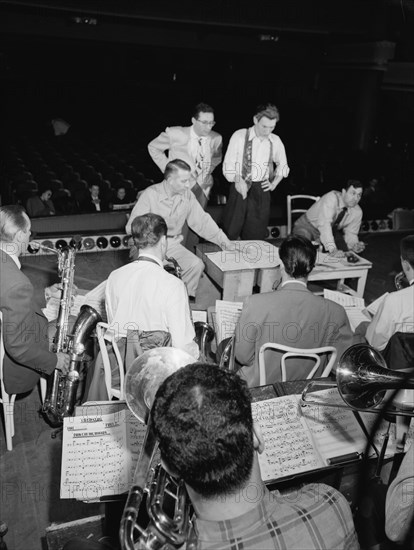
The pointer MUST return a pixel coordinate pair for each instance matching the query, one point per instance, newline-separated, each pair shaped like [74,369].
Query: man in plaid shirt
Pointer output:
[202,418]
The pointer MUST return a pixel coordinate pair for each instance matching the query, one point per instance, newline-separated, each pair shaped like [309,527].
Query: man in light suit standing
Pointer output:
[291,316]
[198,145]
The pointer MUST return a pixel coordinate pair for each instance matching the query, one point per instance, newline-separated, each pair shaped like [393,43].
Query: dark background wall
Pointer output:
[342,75]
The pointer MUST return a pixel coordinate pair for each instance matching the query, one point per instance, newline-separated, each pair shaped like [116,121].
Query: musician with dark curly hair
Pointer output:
[202,418]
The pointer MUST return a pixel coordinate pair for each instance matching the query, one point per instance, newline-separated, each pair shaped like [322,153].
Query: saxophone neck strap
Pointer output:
[146,259]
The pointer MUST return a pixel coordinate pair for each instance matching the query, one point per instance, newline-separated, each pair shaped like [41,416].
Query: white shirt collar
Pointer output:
[195,136]
[294,281]
[147,255]
[252,135]
[13,257]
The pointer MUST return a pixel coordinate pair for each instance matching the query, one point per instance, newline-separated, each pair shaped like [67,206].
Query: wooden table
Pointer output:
[257,262]
[236,271]
[328,268]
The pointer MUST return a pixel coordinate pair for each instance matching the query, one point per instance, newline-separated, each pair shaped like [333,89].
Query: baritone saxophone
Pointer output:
[62,388]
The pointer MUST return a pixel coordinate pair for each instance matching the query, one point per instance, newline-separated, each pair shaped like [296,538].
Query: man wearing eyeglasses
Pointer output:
[198,145]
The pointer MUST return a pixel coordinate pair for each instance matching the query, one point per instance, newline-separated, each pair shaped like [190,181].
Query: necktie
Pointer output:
[199,157]
[339,217]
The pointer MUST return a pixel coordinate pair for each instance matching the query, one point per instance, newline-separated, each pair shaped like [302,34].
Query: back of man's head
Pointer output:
[407,249]
[267,110]
[298,256]
[203,420]
[174,165]
[147,230]
[13,218]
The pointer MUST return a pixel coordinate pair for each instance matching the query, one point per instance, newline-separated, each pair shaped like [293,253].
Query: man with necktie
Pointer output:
[255,163]
[334,220]
[198,145]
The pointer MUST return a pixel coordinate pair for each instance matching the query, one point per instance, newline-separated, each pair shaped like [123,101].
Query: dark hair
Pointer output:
[202,418]
[268,110]
[12,219]
[407,249]
[352,183]
[174,166]
[147,230]
[298,256]
[202,108]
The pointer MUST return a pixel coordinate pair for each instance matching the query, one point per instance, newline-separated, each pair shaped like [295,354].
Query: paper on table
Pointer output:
[246,255]
[227,316]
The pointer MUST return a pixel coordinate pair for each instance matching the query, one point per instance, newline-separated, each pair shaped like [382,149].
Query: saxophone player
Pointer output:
[24,326]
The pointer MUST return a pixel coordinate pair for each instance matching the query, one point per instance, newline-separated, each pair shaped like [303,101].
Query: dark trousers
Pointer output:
[247,218]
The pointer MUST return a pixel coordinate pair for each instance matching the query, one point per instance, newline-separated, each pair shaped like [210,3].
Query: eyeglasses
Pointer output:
[206,122]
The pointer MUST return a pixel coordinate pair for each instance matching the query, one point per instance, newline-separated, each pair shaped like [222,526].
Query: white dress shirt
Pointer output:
[395,314]
[143,296]
[233,160]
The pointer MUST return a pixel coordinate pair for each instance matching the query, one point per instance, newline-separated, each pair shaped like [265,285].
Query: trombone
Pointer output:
[363,378]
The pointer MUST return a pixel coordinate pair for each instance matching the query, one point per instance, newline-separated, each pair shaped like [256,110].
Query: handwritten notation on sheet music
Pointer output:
[288,446]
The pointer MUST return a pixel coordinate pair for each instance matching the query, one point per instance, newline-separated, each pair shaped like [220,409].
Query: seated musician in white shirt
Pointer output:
[146,305]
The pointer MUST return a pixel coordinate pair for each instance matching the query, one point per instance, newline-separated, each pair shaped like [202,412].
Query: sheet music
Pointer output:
[199,315]
[94,298]
[99,454]
[353,305]
[227,316]
[373,306]
[356,317]
[345,300]
[288,445]
[336,430]
[369,420]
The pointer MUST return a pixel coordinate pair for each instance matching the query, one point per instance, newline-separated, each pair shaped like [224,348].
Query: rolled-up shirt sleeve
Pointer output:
[280,159]
[203,224]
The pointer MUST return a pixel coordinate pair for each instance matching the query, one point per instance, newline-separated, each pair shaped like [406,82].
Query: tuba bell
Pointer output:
[363,378]
[142,381]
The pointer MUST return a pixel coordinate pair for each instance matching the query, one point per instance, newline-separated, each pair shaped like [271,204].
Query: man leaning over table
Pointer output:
[174,201]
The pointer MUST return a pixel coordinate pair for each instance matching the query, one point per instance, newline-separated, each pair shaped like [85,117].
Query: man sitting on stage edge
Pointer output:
[334,220]
[202,418]
[24,326]
[292,316]
[146,306]
[173,200]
